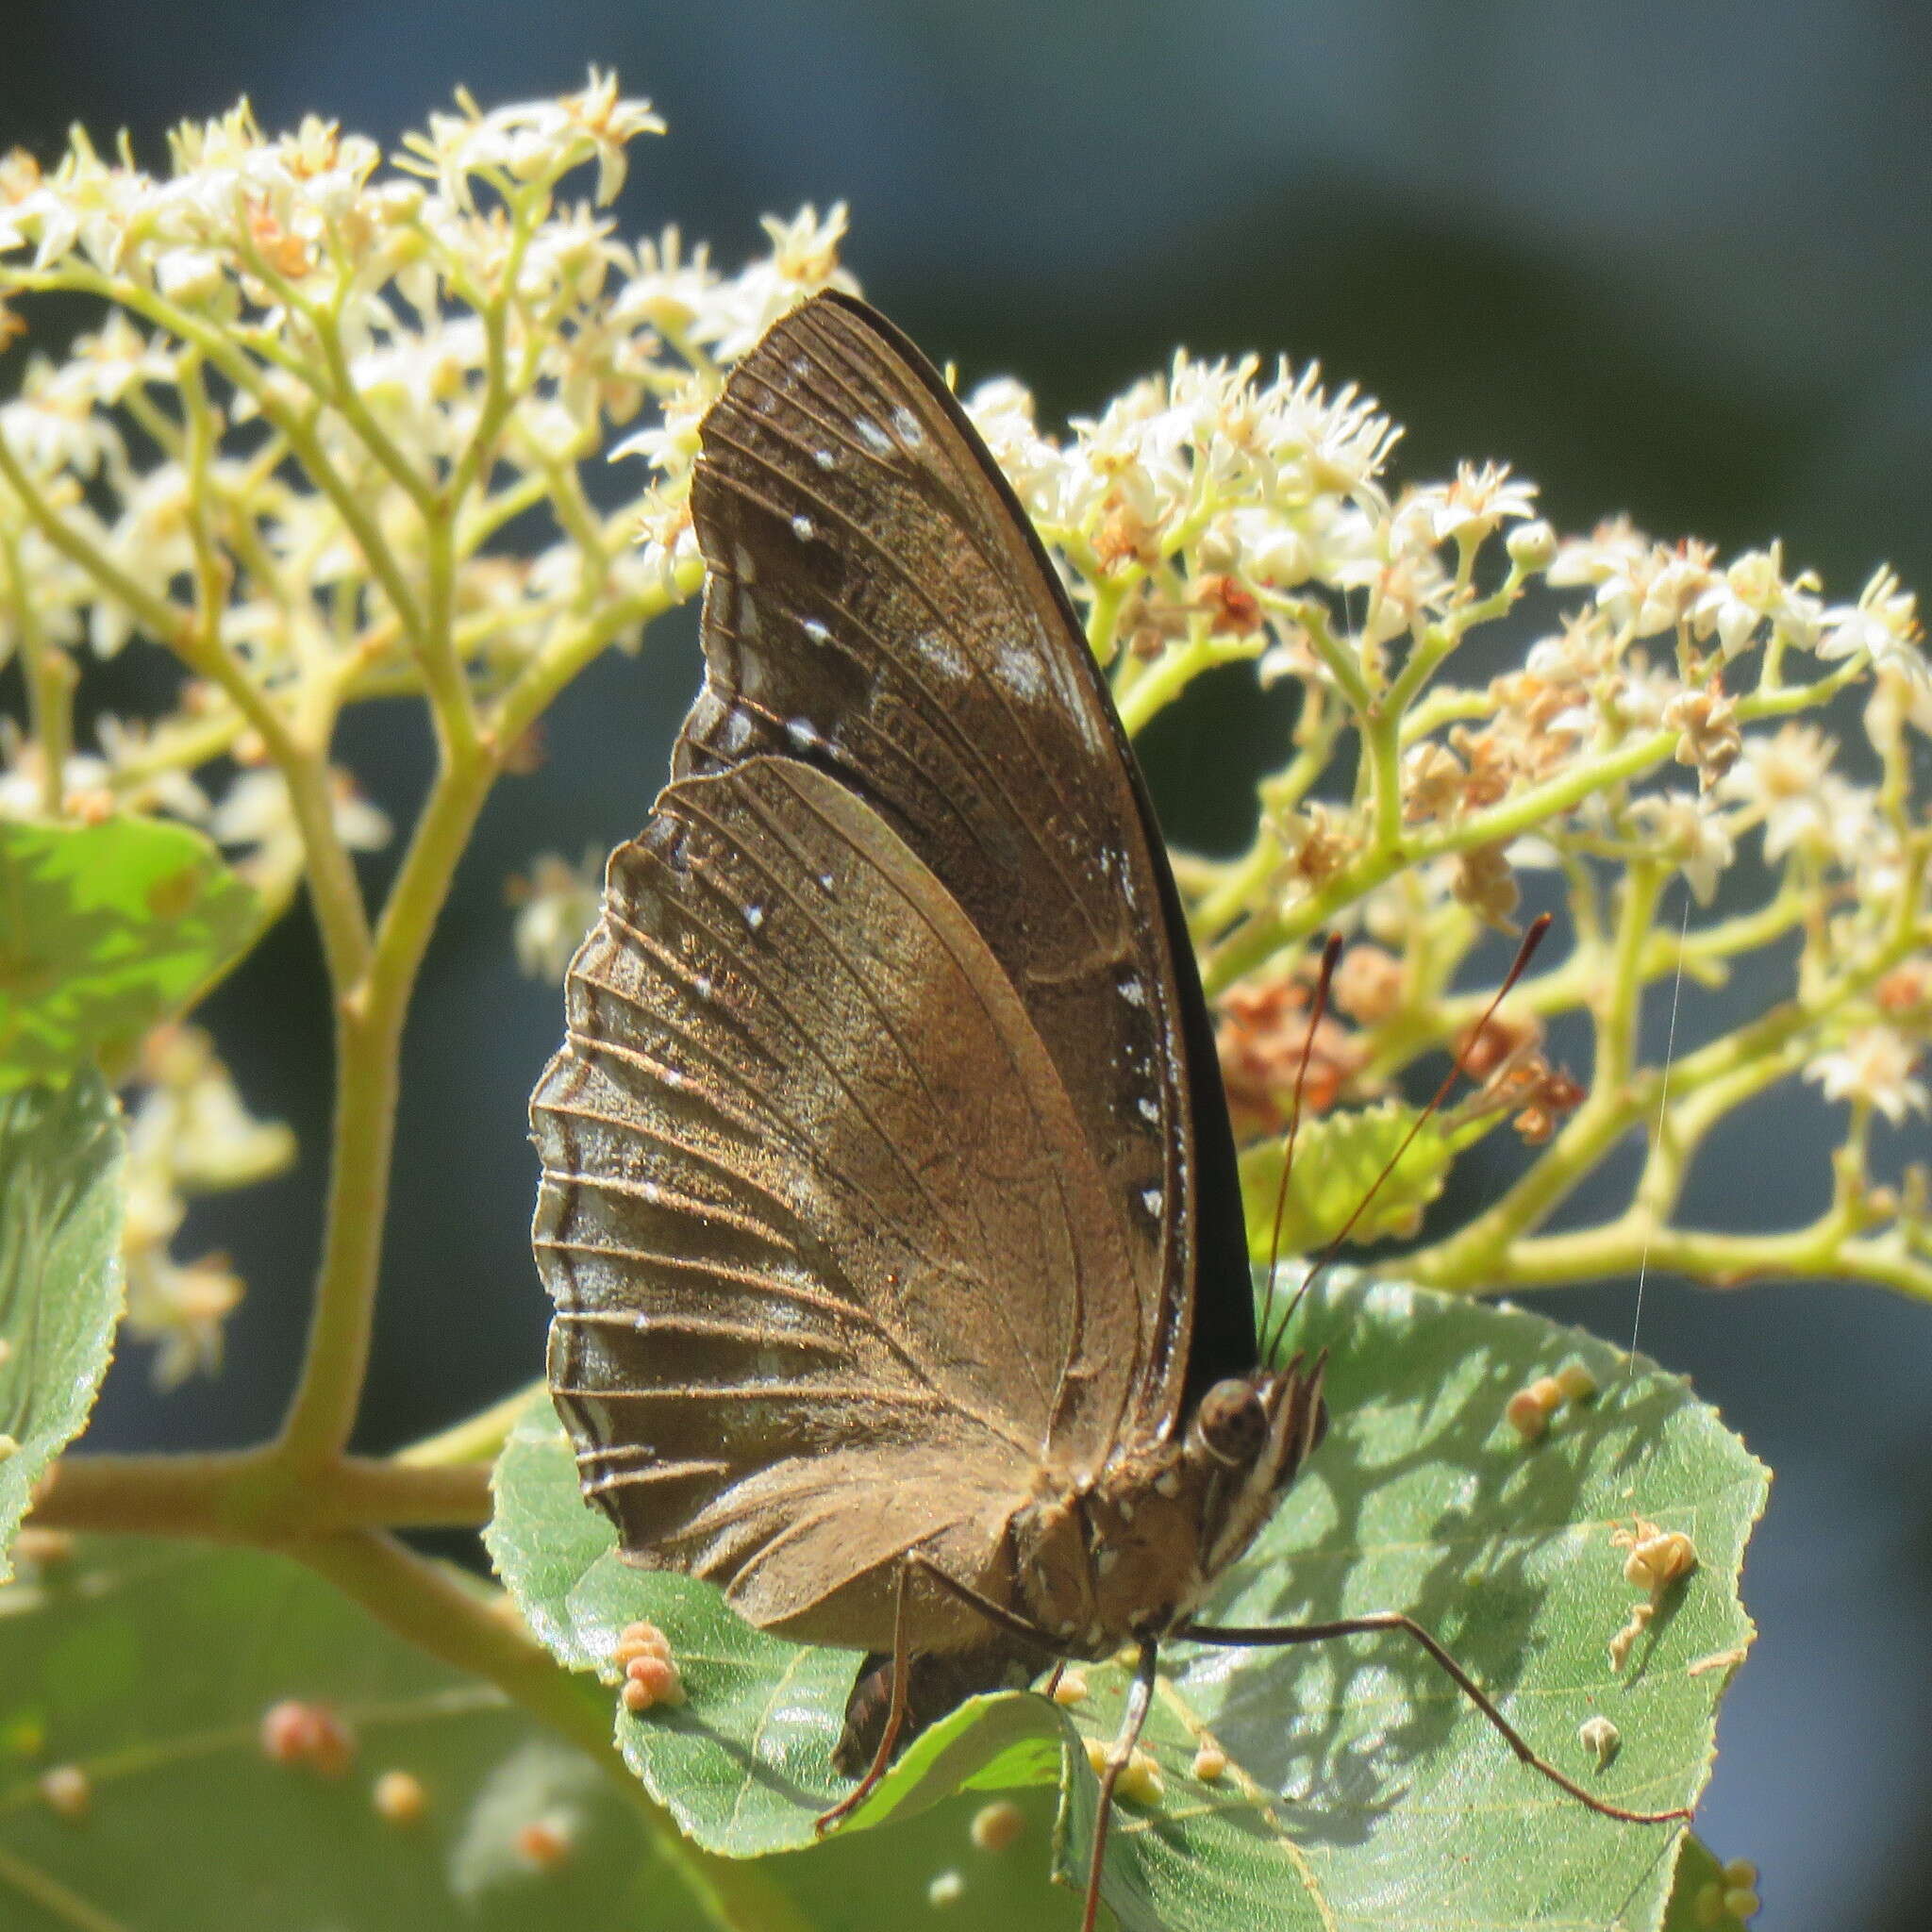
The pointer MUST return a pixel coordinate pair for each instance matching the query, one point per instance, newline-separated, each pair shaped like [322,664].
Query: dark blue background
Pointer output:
[1669,260]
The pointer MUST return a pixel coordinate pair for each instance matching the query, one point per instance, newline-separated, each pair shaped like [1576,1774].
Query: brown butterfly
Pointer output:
[889,1201]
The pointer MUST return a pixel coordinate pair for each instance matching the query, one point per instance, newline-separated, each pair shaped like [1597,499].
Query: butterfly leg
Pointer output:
[1140,1698]
[1257,1636]
[895,1714]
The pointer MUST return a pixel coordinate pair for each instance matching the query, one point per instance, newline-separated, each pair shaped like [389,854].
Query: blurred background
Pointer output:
[1665,260]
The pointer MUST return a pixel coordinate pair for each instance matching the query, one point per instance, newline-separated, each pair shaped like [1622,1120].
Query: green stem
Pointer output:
[370,1021]
[476,1439]
[1821,1252]
[1619,1003]
[62,1906]
[50,680]
[1167,675]
[249,1496]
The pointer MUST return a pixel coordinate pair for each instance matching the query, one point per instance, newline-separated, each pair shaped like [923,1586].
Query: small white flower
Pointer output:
[1786,776]
[1614,549]
[1875,1065]
[804,259]
[187,1132]
[555,906]
[1751,591]
[256,812]
[1884,625]
[183,1310]
[1468,509]
[20,773]
[1682,828]
[532,141]
[190,1123]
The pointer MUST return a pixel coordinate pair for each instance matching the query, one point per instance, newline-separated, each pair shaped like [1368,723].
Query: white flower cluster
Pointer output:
[1279,480]
[324,396]
[1213,515]
[322,391]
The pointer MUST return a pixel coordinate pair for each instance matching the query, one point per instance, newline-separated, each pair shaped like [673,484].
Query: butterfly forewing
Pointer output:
[836,1268]
[877,606]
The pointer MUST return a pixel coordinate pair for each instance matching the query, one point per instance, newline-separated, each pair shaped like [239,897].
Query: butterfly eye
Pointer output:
[1232,1421]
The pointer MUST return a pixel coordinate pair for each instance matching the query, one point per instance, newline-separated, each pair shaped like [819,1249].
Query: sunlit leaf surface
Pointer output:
[60,1291]
[104,930]
[1363,1790]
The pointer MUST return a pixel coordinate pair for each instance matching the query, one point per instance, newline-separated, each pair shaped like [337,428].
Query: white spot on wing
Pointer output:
[873,434]
[1151,1199]
[907,424]
[943,654]
[1133,992]
[816,631]
[825,460]
[804,528]
[1150,1109]
[753,916]
[1018,669]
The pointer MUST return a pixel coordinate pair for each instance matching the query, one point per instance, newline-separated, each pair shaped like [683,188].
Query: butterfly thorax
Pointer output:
[1132,1551]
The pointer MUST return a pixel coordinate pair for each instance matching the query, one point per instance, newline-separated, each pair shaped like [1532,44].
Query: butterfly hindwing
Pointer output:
[800,1143]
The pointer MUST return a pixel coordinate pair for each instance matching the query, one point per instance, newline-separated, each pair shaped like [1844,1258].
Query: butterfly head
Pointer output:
[1245,1442]
[1132,1551]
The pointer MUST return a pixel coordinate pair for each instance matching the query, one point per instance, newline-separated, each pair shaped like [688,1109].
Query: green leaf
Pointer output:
[104,930]
[1363,1787]
[148,1667]
[745,1765]
[1337,1158]
[60,1291]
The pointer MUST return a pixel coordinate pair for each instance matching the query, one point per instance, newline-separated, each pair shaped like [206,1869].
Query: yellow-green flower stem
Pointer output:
[1253,944]
[1166,676]
[477,1439]
[1499,1249]
[49,685]
[369,1015]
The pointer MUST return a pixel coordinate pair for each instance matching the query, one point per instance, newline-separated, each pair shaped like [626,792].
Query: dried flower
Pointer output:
[1262,1031]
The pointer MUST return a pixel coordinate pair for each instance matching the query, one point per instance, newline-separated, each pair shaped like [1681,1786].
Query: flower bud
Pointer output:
[1532,546]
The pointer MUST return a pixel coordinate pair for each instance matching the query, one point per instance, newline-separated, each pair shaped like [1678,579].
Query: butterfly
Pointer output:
[890,1200]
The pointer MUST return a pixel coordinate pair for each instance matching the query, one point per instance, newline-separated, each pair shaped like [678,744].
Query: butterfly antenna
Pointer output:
[1524,953]
[1331,952]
